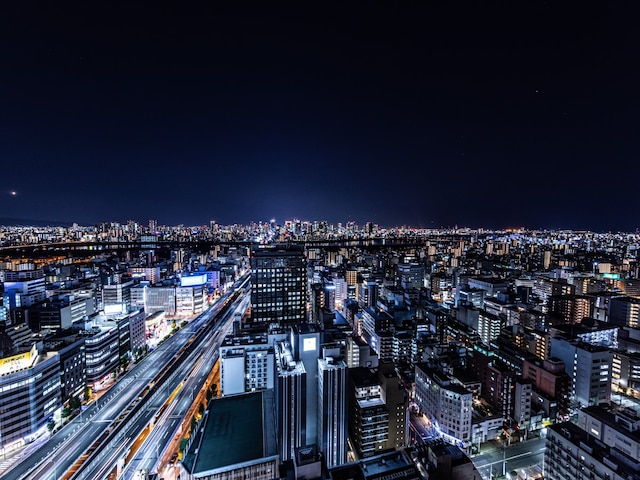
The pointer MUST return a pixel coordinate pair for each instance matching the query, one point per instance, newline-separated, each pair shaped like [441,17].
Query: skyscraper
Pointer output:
[291,401]
[305,340]
[332,406]
[278,285]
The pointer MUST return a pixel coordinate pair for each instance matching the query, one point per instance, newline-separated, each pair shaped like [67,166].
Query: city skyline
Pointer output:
[459,353]
[423,115]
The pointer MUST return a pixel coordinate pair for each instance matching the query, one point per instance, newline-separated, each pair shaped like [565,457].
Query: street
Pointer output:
[56,455]
[516,456]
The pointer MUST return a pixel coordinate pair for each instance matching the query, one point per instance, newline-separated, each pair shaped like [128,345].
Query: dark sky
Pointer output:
[428,114]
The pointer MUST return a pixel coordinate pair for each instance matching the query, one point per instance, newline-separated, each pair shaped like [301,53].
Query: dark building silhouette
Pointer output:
[278,285]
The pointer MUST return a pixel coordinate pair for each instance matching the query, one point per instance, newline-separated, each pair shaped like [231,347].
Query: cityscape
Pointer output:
[308,350]
[333,241]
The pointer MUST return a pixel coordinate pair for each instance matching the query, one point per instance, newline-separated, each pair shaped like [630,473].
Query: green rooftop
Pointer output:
[233,432]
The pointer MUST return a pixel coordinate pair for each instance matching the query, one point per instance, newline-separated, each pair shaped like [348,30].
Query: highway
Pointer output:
[169,424]
[51,458]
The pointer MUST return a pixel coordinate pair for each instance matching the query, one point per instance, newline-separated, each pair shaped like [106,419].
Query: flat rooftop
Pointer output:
[237,429]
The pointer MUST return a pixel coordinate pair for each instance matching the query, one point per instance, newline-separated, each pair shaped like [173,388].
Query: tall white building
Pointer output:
[447,404]
[246,364]
[190,300]
[590,369]
[341,291]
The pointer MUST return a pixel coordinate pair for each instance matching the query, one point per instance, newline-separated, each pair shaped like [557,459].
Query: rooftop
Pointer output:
[236,429]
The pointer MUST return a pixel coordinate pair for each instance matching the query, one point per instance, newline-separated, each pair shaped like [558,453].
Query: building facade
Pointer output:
[278,285]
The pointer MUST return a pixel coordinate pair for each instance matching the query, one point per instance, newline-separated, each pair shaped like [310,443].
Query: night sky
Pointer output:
[422,115]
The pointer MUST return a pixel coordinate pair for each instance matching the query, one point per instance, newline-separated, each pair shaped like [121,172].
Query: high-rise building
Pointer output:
[625,311]
[589,366]
[522,404]
[377,411]
[368,415]
[290,401]
[246,364]
[411,275]
[29,392]
[572,308]
[332,406]
[489,326]
[116,298]
[296,389]
[447,404]
[392,392]
[341,292]
[377,332]
[278,285]
[305,342]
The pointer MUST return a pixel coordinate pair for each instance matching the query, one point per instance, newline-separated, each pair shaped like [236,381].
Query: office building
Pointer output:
[247,364]
[190,300]
[116,298]
[411,275]
[278,285]
[59,313]
[160,299]
[102,353]
[29,394]
[25,292]
[71,350]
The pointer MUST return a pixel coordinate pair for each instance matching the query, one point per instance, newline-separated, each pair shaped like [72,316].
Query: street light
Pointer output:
[504,460]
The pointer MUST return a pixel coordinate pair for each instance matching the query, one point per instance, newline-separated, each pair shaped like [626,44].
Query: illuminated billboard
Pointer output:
[115,309]
[193,280]
[18,362]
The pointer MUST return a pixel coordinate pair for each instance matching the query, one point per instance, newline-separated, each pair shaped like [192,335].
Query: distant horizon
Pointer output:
[22,222]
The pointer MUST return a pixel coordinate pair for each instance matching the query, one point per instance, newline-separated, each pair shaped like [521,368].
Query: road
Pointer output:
[517,456]
[49,459]
[174,389]
[151,452]
[420,428]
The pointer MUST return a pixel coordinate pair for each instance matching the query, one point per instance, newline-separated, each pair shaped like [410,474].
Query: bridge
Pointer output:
[78,249]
